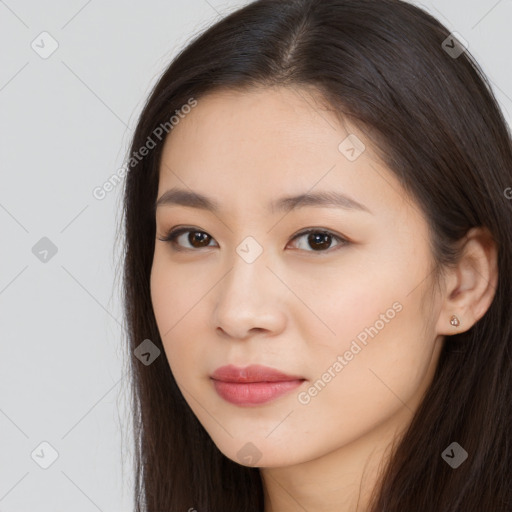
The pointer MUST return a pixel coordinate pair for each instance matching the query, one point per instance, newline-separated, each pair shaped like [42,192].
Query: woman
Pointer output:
[317,269]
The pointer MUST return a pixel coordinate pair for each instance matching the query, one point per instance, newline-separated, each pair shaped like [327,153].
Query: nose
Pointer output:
[250,299]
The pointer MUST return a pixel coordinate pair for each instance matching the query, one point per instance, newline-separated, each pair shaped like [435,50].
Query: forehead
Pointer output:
[266,143]
[270,118]
[281,129]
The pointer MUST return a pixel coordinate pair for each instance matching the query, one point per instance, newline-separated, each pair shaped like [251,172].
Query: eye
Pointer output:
[196,238]
[319,239]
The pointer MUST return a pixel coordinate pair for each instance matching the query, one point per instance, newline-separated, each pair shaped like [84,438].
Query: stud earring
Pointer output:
[454,321]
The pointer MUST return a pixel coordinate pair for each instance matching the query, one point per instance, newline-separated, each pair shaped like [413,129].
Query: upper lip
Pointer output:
[252,373]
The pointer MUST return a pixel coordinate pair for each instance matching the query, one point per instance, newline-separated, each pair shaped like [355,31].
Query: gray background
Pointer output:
[66,122]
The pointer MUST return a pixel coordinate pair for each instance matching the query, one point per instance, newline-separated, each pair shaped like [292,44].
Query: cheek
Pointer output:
[176,298]
[366,295]
[372,339]
[169,299]
[357,387]
[173,292]
[163,296]
[342,301]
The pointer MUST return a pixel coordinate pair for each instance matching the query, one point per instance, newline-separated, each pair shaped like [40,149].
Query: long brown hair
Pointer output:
[392,69]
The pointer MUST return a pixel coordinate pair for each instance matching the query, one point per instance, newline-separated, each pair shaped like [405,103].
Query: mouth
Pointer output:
[252,385]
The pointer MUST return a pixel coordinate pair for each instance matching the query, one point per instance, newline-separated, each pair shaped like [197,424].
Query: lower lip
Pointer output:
[253,393]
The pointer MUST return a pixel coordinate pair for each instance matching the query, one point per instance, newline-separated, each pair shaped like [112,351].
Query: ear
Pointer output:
[470,287]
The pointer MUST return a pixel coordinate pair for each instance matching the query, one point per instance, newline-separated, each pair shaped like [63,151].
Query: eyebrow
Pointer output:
[178,196]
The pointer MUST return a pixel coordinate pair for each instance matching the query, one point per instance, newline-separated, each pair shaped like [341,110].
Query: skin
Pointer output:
[295,308]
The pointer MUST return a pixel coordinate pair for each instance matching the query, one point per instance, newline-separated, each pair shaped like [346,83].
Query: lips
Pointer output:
[254,385]
[252,373]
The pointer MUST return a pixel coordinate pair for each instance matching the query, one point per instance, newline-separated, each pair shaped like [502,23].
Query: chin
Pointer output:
[263,454]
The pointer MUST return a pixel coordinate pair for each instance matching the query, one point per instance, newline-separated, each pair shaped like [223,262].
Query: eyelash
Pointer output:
[172,234]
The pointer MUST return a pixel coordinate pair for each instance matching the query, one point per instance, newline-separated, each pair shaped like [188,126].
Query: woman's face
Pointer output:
[349,313]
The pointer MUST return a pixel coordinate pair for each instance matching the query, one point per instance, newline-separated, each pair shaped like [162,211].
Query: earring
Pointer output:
[454,321]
